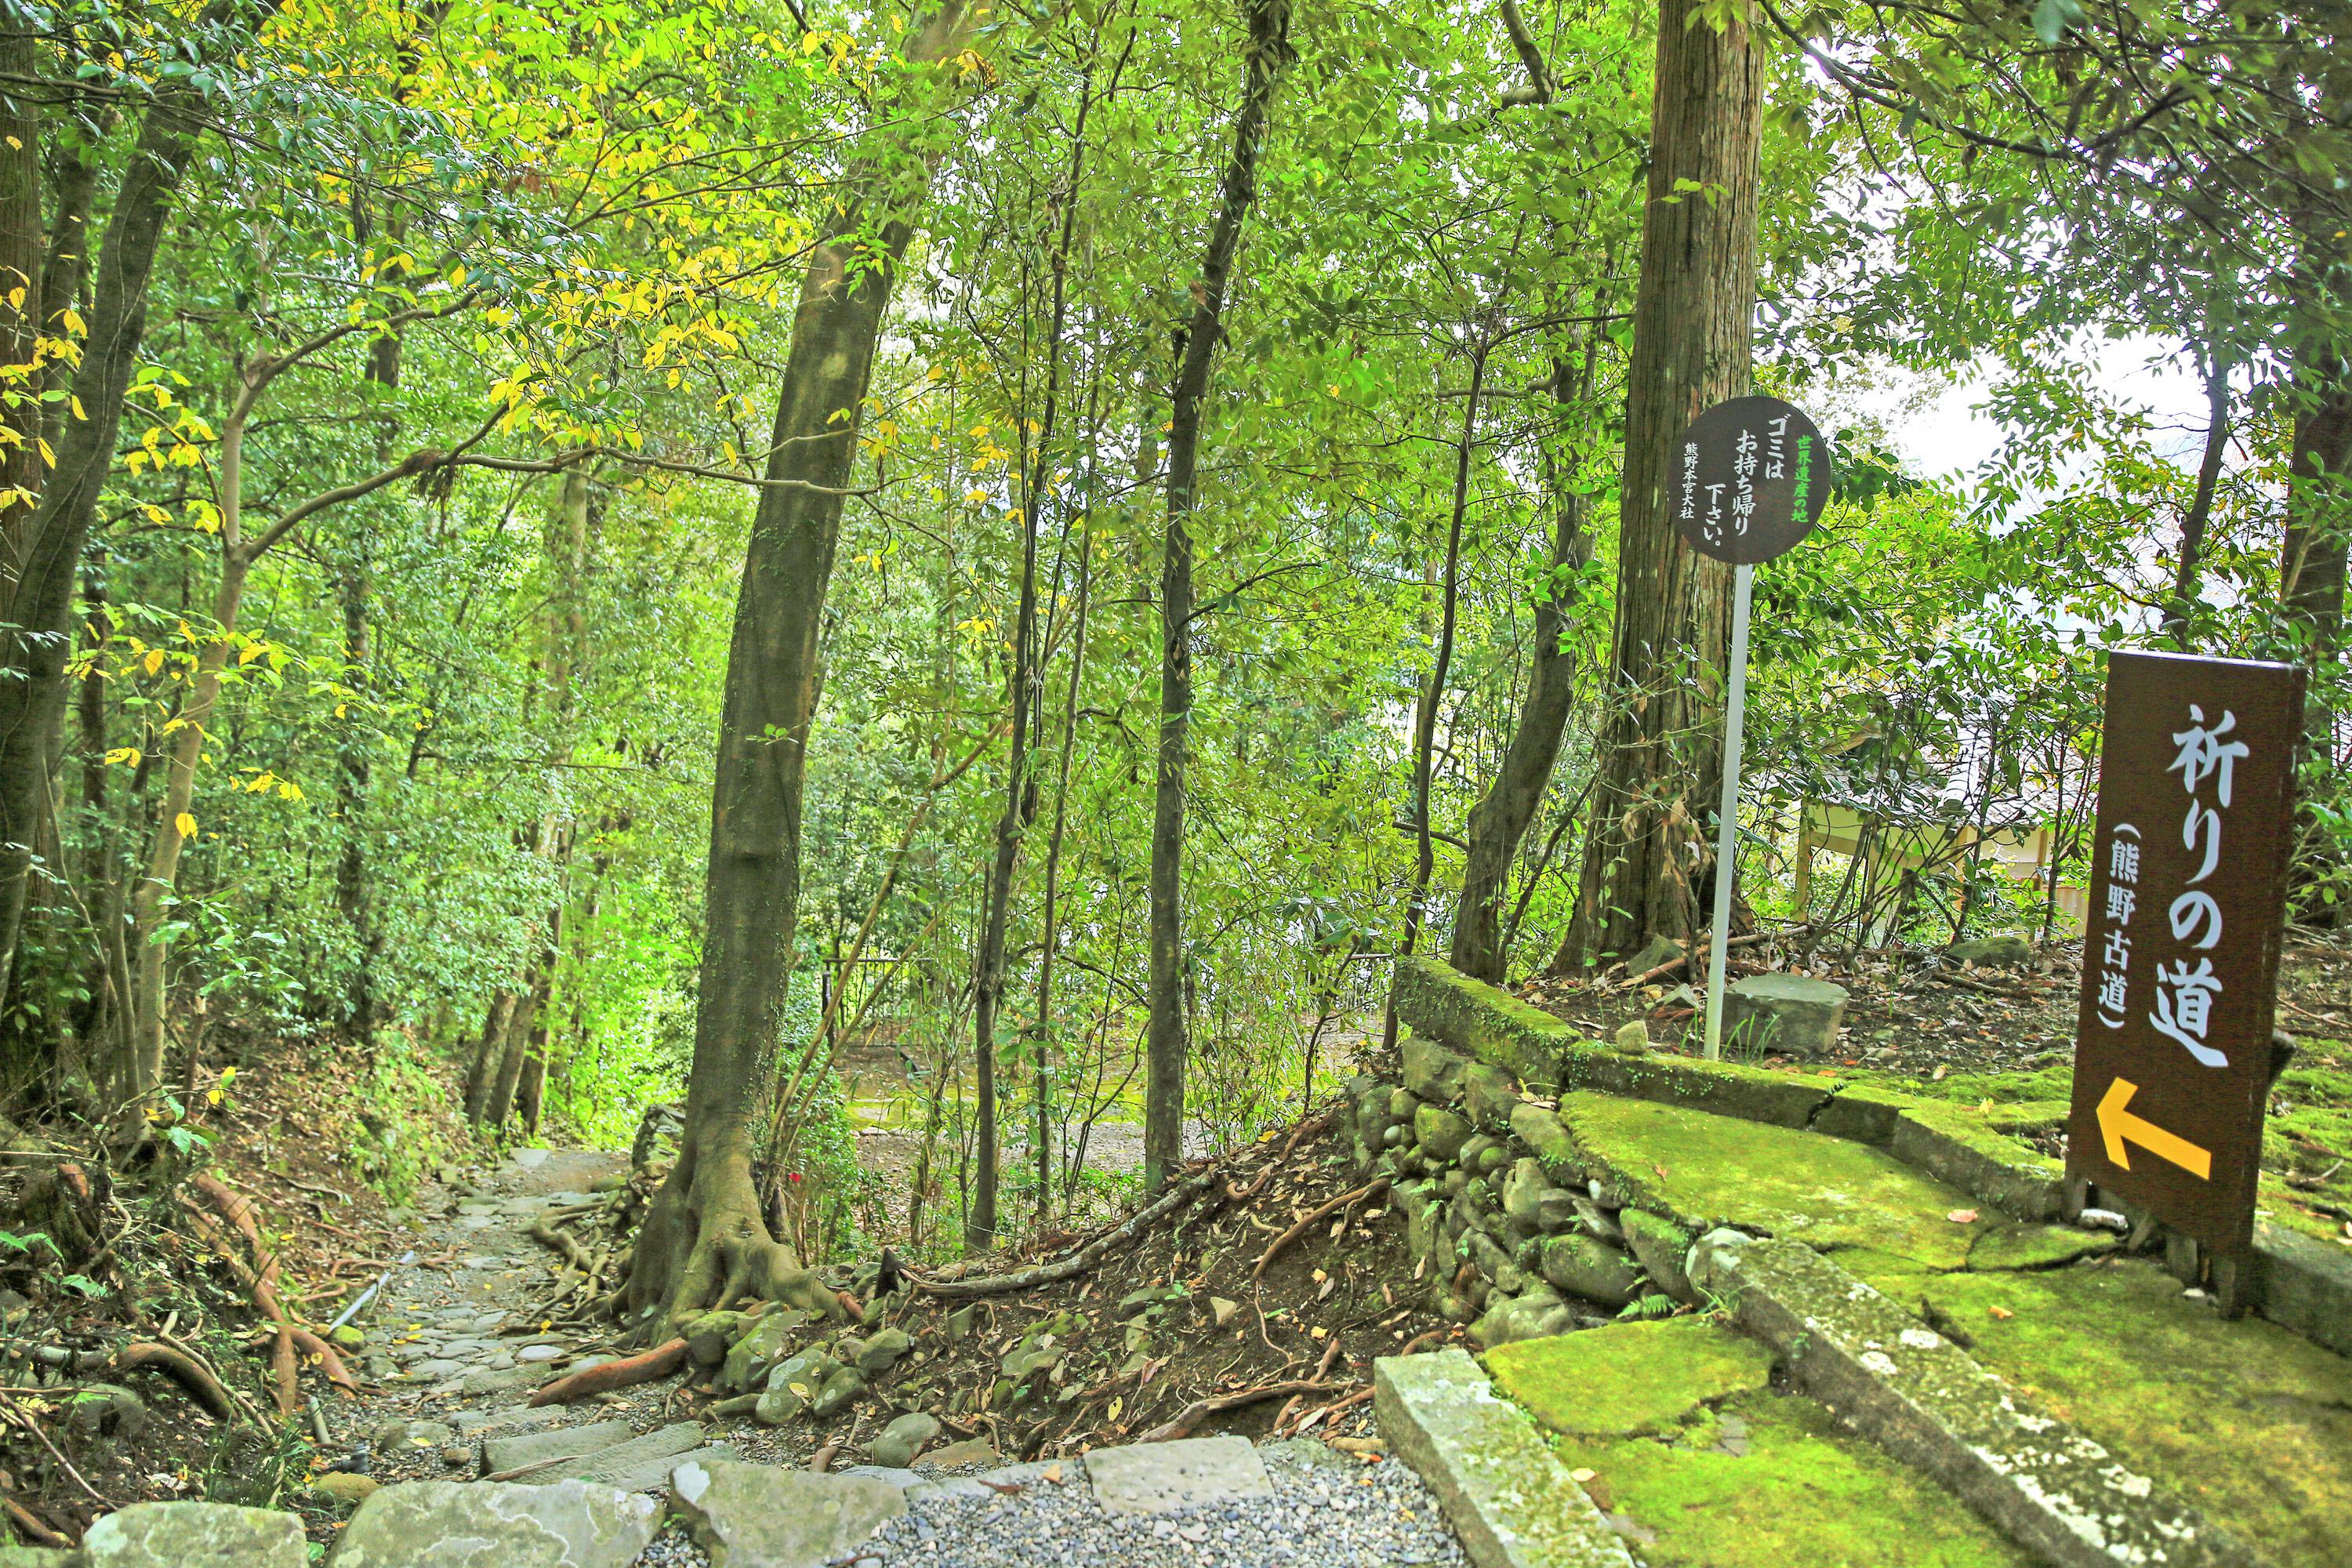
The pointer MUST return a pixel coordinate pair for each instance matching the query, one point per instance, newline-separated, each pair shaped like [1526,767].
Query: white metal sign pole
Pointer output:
[1726,841]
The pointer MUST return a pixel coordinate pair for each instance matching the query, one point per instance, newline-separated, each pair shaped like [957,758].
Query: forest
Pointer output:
[966,577]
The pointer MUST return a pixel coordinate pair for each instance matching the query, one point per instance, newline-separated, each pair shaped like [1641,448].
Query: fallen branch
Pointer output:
[626,1372]
[39,1533]
[1176,1197]
[1295,1232]
[1752,939]
[1192,1415]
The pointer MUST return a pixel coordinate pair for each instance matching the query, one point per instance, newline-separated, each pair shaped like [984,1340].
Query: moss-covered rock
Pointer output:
[1489,1094]
[1659,1245]
[1489,1023]
[1439,1133]
[1629,1379]
[1959,1144]
[1588,1268]
[1532,1203]
[1432,1071]
[1547,1139]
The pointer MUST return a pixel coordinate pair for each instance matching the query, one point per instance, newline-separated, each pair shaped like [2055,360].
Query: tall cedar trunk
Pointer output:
[704,1238]
[40,549]
[2312,579]
[1268,51]
[1500,819]
[1432,690]
[2183,605]
[1661,743]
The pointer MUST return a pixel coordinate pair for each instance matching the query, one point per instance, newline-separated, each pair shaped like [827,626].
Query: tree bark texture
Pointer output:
[1660,741]
[1266,53]
[704,1239]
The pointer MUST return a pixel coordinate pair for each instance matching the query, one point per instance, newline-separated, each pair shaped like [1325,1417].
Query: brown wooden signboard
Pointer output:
[2180,948]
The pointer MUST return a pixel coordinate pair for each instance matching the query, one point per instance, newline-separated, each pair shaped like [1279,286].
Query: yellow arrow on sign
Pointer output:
[2116,1125]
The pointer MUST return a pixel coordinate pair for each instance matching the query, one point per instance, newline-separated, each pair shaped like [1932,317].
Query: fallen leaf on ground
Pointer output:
[2001,1313]
[1962,1216]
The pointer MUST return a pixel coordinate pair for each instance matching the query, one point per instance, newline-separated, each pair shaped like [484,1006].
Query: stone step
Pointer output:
[529,1449]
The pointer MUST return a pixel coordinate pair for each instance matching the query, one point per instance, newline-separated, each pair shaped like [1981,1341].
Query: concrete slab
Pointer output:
[1511,1503]
[526,1449]
[621,1465]
[1159,1478]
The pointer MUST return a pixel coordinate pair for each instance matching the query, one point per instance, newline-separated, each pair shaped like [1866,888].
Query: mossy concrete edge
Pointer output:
[2052,1489]
[1948,1141]
[1511,1502]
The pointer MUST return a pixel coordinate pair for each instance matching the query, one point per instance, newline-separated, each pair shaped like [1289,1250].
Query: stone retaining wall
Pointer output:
[1515,1233]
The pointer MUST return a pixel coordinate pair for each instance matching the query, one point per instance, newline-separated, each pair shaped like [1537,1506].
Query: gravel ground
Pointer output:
[1327,1511]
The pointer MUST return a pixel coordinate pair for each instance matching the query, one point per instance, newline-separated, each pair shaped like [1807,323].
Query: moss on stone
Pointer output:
[2247,1422]
[1627,1379]
[1800,1493]
[1703,1171]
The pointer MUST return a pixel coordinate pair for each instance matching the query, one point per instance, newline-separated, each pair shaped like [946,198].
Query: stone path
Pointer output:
[457,1465]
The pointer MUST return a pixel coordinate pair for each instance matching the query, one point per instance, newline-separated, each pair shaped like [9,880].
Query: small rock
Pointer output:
[793,1384]
[344,1487]
[957,1455]
[451,1524]
[400,1436]
[711,1336]
[755,1516]
[195,1535]
[903,1439]
[846,1385]
[883,1351]
[1439,1133]
[1633,1038]
[1792,1013]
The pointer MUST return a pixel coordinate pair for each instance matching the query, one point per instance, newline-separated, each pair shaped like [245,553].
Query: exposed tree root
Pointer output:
[1177,1197]
[195,1380]
[704,1245]
[645,1367]
[1199,1410]
[1345,1199]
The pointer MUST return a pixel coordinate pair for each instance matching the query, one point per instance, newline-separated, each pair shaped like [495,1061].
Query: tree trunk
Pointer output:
[487,1055]
[42,546]
[704,1239]
[2311,591]
[1661,744]
[1432,690]
[1267,52]
[2185,601]
[1500,819]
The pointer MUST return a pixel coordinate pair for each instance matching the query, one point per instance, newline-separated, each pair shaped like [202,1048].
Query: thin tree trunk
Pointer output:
[704,1236]
[2312,585]
[1661,752]
[1500,819]
[2184,601]
[1053,878]
[1267,52]
[1433,691]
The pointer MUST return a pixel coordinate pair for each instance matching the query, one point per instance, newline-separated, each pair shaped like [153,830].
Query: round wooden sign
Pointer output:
[1749,479]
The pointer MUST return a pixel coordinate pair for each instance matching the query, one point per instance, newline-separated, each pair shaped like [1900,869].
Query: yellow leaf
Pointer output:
[154,661]
[77,411]
[186,823]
